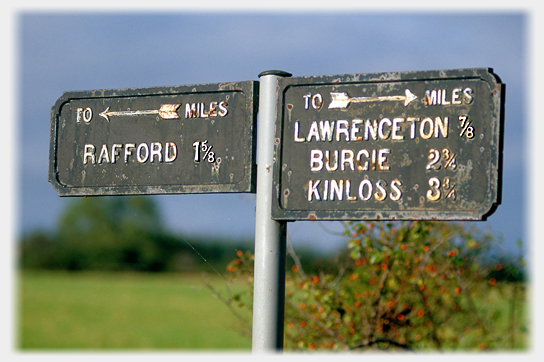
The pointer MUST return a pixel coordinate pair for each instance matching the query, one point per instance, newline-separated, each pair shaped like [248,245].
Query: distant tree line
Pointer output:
[121,233]
[126,233]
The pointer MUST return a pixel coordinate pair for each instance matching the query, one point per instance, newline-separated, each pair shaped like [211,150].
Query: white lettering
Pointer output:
[306,100]
[354,129]
[334,190]
[115,152]
[205,110]
[337,188]
[89,152]
[467,95]
[104,155]
[156,150]
[213,109]
[203,113]
[191,110]
[170,152]
[317,101]
[413,121]
[442,126]
[396,193]
[297,138]
[328,161]
[223,110]
[382,159]
[342,127]
[312,190]
[371,128]
[430,97]
[316,160]
[455,96]
[143,152]
[439,97]
[381,194]
[326,130]
[349,197]
[314,132]
[359,165]
[368,195]
[128,150]
[346,156]
[428,135]
[142,147]
[382,135]
[396,128]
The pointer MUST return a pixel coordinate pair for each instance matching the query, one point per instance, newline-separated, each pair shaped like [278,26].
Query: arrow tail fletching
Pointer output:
[339,100]
[169,111]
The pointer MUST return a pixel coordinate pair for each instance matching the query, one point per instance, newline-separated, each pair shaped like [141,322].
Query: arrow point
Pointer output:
[105,114]
[409,97]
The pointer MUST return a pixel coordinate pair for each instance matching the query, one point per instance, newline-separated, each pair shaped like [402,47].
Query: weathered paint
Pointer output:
[144,140]
[389,146]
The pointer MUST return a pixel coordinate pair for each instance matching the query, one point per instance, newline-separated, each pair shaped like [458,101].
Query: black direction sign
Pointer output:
[389,146]
[164,140]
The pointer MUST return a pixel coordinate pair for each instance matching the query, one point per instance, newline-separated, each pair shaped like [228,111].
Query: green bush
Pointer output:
[406,286]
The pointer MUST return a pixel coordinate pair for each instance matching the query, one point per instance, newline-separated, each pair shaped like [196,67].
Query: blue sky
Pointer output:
[65,51]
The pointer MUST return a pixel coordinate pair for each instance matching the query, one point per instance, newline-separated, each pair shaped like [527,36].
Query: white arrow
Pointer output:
[167,111]
[342,100]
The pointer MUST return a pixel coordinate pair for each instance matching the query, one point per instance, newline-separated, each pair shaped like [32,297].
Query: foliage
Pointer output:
[118,233]
[400,285]
[408,286]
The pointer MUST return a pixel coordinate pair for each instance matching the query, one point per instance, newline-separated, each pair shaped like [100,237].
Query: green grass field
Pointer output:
[62,311]
[124,311]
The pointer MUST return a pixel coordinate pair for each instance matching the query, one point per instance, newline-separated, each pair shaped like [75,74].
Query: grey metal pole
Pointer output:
[270,235]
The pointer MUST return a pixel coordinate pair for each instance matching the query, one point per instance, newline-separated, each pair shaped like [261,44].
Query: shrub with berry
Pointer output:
[414,285]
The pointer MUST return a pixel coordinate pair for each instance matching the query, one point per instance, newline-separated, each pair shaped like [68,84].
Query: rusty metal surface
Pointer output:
[162,140]
[389,146]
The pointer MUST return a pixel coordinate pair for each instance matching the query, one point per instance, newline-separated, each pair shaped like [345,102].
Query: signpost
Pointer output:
[389,146]
[165,140]
[270,235]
